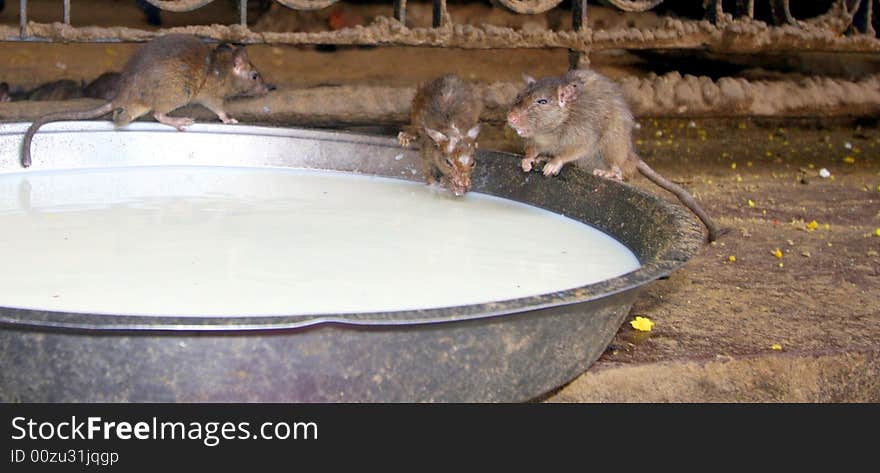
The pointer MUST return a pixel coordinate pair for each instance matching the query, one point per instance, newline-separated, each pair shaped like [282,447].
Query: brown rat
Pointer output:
[444,118]
[64,89]
[104,87]
[167,73]
[582,115]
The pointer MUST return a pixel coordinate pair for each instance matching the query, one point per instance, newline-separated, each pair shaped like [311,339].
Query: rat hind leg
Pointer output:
[162,109]
[617,157]
[177,122]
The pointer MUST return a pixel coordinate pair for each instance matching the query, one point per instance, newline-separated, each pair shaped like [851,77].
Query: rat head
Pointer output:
[454,156]
[543,105]
[239,77]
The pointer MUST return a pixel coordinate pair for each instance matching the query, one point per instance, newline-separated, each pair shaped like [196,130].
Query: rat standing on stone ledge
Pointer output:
[445,118]
[583,116]
[165,74]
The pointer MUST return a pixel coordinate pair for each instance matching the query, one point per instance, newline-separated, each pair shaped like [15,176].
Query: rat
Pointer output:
[104,87]
[444,119]
[64,89]
[583,116]
[165,74]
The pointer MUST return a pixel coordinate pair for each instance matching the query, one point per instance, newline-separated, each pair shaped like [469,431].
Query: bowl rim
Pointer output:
[689,239]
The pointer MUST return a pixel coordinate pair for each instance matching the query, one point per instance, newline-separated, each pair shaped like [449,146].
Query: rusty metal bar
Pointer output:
[22,18]
[400,11]
[862,18]
[66,12]
[242,10]
[714,11]
[439,13]
[578,20]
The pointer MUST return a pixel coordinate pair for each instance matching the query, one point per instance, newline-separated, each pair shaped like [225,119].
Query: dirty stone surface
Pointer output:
[781,309]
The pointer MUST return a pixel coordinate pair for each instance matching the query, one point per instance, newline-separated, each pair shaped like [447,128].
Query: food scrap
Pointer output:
[776,346]
[642,324]
[777,253]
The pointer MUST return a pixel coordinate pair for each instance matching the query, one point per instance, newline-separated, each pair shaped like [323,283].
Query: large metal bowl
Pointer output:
[509,350]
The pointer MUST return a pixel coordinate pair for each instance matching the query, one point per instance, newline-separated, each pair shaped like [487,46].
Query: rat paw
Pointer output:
[553,167]
[404,139]
[177,122]
[527,164]
[230,121]
[615,174]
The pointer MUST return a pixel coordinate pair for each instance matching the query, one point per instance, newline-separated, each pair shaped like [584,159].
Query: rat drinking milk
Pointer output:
[445,118]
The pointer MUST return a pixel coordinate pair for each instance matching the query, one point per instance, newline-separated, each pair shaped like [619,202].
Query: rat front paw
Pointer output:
[230,121]
[553,167]
[527,164]
[404,139]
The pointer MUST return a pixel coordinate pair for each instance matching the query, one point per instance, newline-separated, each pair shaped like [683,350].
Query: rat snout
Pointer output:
[460,186]
[513,119]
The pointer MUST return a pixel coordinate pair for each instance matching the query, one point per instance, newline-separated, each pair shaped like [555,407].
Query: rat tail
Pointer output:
[52,117]
[684,196]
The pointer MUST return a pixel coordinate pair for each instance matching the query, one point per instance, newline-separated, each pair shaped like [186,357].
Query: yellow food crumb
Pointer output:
[849,160]
[777,253]
[732,165]
[813,225]
[731,258]
[739,178]
[827,226]
[877,232]
[642,324]
[811,166]
[776,346]
[749,164]
[751,203]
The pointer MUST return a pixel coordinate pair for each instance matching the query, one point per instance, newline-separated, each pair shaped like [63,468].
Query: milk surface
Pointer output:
[217,241]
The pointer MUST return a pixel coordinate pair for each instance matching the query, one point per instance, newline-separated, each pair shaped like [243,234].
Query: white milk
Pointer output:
[240,241]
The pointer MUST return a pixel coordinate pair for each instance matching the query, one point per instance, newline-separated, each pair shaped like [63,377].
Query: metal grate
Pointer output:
[847,26]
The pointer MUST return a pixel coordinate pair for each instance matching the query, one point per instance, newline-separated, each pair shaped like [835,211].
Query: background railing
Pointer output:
[846,26]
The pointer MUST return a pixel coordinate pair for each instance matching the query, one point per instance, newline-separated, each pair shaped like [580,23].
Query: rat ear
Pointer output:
[566,93]
[529,80]
[473,132]
[436,135]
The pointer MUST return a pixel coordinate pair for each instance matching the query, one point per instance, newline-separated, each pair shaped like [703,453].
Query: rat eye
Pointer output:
[254,75]
[541,101]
